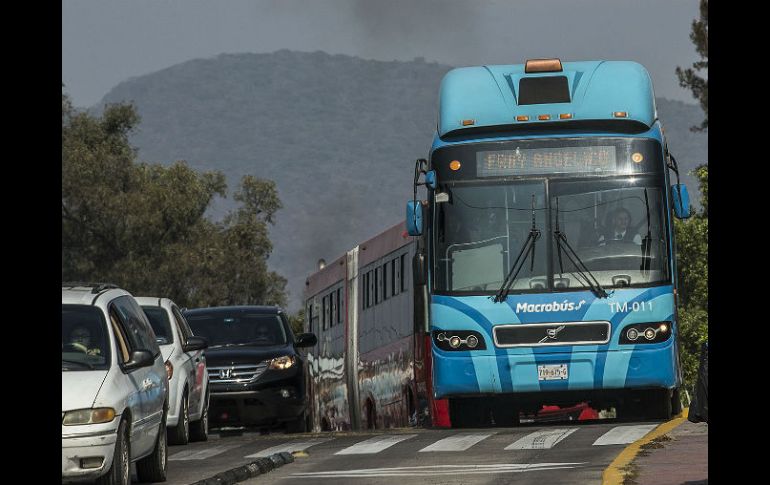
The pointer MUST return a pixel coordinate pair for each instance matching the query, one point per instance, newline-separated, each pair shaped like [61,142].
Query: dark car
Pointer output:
[256,374]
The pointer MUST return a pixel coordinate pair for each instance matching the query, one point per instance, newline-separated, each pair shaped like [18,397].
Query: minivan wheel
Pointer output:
[120,471]
[180,434]
[152,468]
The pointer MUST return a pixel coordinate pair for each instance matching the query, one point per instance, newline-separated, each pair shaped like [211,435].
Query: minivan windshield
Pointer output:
[223,329]
[85,344]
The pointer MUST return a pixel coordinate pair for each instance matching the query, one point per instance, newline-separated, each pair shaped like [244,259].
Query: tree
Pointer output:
[692,234]
[692,269]
[689,78]
[143,226]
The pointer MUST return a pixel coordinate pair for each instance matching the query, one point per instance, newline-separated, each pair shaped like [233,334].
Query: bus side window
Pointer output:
[403,276]
[393,277]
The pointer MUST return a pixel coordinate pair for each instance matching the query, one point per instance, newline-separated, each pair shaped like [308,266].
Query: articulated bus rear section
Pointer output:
[367,370]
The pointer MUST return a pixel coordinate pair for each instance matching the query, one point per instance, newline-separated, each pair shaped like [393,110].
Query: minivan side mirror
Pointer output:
[138,359]
[305,340]
[195,343]
[681,200]
[414,217]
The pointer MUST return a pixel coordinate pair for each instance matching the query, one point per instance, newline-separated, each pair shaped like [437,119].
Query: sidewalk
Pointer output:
[679,457]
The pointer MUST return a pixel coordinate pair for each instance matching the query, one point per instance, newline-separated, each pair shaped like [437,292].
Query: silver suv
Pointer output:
[114,388]
[188,418]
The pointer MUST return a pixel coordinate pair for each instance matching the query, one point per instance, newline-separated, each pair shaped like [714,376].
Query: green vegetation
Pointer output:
[688,78]
[142,226]
[692,234]
[692,268]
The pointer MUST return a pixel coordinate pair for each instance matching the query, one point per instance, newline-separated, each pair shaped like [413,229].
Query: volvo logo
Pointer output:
[552,333]
[225,373]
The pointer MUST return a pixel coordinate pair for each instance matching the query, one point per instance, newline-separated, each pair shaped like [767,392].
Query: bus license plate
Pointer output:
[551,372]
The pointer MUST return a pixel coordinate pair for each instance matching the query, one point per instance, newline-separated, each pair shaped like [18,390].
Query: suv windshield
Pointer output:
[84,339]
[160,324]
[238,329]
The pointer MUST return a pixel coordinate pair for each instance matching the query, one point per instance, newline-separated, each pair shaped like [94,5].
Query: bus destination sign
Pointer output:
[522,161]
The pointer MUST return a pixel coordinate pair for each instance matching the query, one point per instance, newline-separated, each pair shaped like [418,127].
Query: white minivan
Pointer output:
[188,418]
[114,388]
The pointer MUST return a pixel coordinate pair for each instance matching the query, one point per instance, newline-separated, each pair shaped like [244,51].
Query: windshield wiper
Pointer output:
[646,242]
[527,248]
[581,268]
[90,366]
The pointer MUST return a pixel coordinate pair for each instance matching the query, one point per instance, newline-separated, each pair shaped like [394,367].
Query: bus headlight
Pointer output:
[646,333]
[458,340]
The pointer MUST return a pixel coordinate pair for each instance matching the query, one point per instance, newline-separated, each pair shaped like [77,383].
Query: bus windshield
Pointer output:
[481,228]
[480,232]
[616,228]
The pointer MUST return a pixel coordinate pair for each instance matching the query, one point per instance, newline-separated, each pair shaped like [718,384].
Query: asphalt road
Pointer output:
[552,453]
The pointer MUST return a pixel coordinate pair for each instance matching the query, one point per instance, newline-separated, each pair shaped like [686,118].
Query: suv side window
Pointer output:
[139,330]
[182,326]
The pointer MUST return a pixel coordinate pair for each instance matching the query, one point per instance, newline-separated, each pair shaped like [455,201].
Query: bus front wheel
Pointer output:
[467,413]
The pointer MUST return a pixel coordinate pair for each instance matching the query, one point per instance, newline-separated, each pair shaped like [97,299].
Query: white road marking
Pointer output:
[622,435]
[541,440]
[289,447]
[201,454]
[374,445]
[458,442]
[438,470]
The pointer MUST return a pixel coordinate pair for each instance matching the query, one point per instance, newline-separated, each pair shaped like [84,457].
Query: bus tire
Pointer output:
[676,402]
[658,404]
[467,413]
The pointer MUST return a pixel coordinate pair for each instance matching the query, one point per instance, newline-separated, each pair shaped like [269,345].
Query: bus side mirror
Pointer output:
[418,269]
[414,217]
[681,200]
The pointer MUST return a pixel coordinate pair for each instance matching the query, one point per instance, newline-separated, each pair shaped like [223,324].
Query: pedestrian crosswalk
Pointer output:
[458,442]
[541,440]
[450,442]
[197,454]
[620,435]
[374,445]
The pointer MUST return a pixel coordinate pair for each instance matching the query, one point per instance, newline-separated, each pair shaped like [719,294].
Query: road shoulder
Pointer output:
[643,461]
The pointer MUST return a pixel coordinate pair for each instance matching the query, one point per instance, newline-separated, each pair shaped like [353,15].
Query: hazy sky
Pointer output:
[105,42]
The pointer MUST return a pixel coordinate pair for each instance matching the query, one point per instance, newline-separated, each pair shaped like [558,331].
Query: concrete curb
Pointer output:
[614,473]
[257,467]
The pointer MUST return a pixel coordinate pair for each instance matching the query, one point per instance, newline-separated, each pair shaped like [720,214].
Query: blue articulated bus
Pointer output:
[545,261]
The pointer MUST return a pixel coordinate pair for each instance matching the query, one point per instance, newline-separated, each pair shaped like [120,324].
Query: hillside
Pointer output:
[338,134]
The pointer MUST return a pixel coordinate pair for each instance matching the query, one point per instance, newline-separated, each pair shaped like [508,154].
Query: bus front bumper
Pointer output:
[469,373]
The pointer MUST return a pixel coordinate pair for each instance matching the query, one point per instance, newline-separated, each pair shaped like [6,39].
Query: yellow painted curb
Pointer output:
[613,474]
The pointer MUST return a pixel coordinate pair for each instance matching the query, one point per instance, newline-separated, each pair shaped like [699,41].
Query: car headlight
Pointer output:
[283,362]
[88,416]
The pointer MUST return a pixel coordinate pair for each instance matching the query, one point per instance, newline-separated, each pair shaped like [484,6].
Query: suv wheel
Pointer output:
[152,468]
[199,430]
[120,471]
[298,425]
[180,434]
